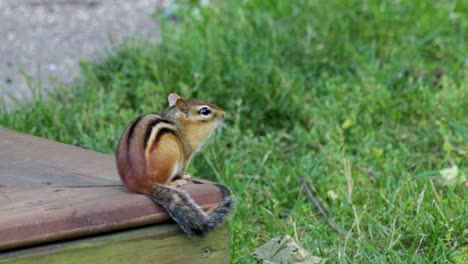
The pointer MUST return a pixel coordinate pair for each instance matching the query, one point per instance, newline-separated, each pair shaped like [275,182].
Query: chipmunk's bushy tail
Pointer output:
[190,217]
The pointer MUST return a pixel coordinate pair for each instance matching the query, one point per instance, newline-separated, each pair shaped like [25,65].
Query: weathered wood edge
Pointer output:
[156,244]
[82,212]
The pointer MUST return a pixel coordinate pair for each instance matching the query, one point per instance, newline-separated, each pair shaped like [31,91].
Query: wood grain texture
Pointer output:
[32,161]
[33,213]
[162,244]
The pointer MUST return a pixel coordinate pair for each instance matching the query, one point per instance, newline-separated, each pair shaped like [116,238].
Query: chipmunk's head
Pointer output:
[198,118]
[195,110]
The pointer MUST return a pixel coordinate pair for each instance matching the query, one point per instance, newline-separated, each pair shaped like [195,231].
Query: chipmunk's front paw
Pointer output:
[186,176]
[178,183]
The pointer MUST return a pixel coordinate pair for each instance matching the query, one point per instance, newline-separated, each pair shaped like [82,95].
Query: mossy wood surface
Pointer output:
[155,244]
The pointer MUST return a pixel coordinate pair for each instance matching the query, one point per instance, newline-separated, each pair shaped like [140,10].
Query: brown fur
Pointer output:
[168,148]
[154,149]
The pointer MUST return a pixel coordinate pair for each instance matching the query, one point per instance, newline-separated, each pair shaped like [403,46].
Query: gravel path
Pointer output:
[49,37]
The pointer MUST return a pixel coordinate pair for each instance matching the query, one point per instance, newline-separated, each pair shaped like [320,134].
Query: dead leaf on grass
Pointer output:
[284,250]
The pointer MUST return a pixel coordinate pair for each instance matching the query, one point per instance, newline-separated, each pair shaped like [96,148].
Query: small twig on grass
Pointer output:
[320,209]
[449,243]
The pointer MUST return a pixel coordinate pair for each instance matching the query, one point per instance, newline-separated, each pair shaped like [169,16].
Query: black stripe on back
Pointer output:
[129,137]
[161,132]
[150,126]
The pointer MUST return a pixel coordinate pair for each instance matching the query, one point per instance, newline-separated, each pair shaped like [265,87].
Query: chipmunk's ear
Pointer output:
[182,105]
[172,99]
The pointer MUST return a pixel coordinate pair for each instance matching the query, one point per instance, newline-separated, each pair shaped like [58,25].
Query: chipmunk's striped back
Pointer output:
[135,148]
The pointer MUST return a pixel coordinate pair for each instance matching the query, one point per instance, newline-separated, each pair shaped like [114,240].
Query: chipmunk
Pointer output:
[154,152]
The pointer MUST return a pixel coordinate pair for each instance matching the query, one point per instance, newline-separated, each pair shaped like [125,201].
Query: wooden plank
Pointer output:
[31,213]
[32,161]
[40,215]
[161,244]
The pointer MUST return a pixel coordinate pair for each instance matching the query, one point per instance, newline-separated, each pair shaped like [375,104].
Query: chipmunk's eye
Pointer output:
[204,111]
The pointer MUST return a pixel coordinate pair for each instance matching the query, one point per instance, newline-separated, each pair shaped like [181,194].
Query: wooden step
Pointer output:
[51,192]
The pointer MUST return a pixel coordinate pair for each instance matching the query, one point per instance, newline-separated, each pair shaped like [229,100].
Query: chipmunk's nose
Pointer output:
[223,114]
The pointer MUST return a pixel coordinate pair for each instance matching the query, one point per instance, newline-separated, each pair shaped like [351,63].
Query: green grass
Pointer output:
[322,90]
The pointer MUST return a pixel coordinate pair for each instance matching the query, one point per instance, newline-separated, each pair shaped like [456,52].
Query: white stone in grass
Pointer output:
[332,195]
[284,250]
[449,175]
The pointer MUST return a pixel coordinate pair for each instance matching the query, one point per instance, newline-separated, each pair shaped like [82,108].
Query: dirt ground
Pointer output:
[47,38]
